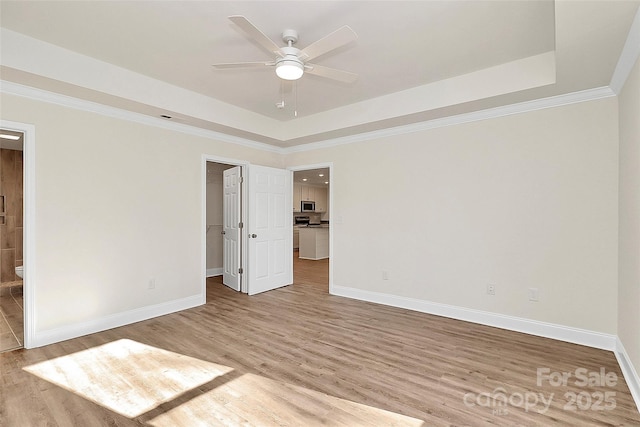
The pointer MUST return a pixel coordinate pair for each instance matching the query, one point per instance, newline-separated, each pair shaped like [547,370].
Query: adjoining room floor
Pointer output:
[11,318]
[297,356]
[311,272]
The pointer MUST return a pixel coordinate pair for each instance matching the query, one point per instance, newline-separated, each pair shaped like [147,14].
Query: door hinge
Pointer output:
[240,270]
[241,179]
[240,225]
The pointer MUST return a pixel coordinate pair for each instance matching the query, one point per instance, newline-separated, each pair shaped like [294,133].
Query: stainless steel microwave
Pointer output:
[307,206]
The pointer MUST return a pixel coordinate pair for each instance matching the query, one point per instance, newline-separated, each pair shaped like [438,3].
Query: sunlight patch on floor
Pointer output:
[255,400]
[133,379]
[126,376]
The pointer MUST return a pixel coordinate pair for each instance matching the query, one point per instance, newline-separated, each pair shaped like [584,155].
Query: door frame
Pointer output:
[203,220]
[331,209]
[29,221]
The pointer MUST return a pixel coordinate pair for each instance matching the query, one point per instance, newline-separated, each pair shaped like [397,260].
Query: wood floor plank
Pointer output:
[300,357]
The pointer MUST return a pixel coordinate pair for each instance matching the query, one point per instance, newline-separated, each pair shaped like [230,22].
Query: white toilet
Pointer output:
[20,271]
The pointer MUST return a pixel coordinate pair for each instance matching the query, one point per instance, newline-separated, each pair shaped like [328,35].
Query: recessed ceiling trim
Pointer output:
[507,110]
[63,65]
[628,57]
[36,94]
[522,107]
[85,72]
[526,73]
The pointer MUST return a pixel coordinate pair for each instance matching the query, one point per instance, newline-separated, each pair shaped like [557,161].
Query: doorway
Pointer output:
[11,240]
[225,224]
[216,235]
[312,228]
[259,208]
[17,149]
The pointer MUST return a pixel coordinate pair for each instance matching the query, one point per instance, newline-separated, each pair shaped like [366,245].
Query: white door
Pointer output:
[270,229]
[231,230]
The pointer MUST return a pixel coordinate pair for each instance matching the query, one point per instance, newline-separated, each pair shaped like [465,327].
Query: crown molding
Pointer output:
[491,113]
[628,57]
[522,107]
[16,89]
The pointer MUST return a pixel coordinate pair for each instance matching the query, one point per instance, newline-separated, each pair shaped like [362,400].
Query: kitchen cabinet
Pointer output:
[304,192]
[321,199]
[308,193]
[297,194]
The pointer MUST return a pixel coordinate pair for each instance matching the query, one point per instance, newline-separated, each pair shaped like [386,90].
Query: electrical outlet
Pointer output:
[491,289]
[152,283]
[385,275]
[534,294]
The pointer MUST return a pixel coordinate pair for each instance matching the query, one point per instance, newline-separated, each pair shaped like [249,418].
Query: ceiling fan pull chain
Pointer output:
[295,98]
[280,105]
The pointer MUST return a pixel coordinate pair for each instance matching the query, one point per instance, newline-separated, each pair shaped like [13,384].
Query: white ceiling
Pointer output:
[416,60]
[312,177]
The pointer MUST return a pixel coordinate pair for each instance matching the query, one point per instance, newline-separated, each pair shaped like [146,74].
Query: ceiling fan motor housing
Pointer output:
[290,66]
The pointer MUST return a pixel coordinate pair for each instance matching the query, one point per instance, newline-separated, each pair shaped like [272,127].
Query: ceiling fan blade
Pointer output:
[253,32]
[332,41]
[243,65]
[331,73]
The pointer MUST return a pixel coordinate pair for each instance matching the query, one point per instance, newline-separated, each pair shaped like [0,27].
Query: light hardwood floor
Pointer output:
[299,356]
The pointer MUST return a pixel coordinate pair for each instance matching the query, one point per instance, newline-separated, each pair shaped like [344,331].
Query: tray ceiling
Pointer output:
[416,60]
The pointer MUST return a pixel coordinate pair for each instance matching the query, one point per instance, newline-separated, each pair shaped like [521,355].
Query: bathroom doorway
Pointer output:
[11,240]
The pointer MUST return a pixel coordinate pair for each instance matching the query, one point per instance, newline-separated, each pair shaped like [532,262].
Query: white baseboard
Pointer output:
[42,338]
[629,372]
[214,272]
[518,324]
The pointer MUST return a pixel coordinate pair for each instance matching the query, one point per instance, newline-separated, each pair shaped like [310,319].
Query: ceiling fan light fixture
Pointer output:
[289,69]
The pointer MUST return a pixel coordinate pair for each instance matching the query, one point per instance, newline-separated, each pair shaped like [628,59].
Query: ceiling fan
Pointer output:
[290,62]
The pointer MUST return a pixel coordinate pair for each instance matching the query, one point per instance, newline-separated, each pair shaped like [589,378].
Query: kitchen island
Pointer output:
[314,242]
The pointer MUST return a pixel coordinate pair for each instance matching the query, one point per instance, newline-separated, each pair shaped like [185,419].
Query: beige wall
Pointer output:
[629,246]
[117,203]
[528,200]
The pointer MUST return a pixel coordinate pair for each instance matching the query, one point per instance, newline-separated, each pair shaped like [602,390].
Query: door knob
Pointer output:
[254,236]
[223,232]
